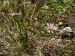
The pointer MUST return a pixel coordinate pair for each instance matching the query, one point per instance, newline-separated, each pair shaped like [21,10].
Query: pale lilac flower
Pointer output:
[51,27]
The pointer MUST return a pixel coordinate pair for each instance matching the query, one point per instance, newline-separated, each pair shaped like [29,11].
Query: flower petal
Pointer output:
[54,28]
[48,25]
[49,31]
[52,24]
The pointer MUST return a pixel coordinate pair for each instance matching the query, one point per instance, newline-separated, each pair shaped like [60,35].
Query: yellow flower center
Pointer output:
[51,28]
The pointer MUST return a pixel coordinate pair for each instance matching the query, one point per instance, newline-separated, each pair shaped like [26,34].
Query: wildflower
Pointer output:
[50,27]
